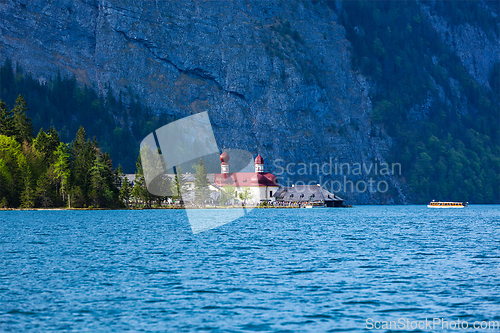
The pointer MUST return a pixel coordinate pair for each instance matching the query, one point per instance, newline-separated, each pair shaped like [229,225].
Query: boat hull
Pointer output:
[429,206]
[314,206]
[447,204]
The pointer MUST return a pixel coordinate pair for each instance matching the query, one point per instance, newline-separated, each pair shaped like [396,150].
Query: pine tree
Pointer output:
[98,185]
[61,168]
[154,169]
[44,191]
[6,183]
[139,190]
[111,192]
[125,190]
[13,170]
[35,160]
[40,143]
[82,155]
[23,129]
[6,121]
[202,191]
[4,203]
[28,195]
[76,198]
[47,143]
[179,185]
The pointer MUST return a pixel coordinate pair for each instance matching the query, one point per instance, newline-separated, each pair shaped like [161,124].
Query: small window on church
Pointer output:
[270,193]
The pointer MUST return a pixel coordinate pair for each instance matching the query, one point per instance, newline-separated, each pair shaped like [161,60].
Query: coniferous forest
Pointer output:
[41,171]
[453,152]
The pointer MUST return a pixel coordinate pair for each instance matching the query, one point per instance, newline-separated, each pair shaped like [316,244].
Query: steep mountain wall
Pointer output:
[275,76]
[478,48]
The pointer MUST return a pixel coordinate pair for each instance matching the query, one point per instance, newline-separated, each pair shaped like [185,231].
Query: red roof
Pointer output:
[259,160]
[242,179]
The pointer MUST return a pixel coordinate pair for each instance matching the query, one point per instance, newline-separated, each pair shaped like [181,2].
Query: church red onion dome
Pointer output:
[259,160]
[224,157]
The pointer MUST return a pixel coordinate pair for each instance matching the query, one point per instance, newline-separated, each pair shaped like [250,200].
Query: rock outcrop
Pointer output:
[275,76]
[477,48]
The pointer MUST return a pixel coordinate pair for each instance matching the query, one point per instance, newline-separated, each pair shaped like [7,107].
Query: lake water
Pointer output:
[275,270]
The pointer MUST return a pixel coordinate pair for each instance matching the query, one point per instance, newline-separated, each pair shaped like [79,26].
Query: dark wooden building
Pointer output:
[312,194]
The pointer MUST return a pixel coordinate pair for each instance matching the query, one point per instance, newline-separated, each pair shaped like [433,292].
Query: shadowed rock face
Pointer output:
[477,49]
[274,76]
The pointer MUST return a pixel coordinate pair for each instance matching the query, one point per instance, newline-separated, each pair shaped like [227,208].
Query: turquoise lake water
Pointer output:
[275,270]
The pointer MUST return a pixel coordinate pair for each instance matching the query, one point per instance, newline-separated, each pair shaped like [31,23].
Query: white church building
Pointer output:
[261,185]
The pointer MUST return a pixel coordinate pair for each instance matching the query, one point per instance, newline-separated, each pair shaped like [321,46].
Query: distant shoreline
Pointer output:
[141,208]
[179,208]
[165,208]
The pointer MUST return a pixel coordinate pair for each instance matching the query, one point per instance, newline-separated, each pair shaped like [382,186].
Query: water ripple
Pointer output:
[272,271]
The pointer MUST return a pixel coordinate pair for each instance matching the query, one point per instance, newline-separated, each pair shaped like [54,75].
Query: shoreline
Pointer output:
[165,208]
[178,208]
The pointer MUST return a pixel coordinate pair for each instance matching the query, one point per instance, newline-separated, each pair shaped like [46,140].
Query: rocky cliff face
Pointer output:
[477,48]
[275,76]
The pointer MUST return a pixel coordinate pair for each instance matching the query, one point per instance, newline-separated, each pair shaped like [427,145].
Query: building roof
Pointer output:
[239,179]
[259,160]
[243,179]
[309,193]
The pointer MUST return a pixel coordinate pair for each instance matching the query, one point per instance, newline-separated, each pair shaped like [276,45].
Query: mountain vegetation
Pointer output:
[201,186]
[452,151]
[42,171]
[63,104]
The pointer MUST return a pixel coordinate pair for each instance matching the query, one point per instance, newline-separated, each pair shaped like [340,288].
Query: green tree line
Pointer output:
[42,171]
